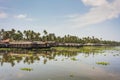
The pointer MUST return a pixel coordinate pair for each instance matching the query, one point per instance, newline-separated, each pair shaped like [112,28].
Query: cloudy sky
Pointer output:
[99,18]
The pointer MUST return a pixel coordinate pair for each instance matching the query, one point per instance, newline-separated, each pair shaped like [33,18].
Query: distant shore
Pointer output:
[31,39]
[49,44]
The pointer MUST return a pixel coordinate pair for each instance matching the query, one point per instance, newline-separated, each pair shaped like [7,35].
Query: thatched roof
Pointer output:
[21,42]
[27,42]
[5,41]
[39,42]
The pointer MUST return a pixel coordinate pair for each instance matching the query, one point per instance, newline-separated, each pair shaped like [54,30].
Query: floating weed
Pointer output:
[114,55]
[74,59]
[26,69]
[117,54]
[102,63]
[71,75]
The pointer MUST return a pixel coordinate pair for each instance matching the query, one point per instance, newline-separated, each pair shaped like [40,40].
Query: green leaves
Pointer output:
[26,69]
[102,63]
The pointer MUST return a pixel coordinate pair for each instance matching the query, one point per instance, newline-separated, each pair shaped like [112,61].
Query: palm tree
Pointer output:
[2,30]
[51,37]
[45,32]
[20,35]
[13,30]
[45,35]
[37,36]
[2,33]
[26,34]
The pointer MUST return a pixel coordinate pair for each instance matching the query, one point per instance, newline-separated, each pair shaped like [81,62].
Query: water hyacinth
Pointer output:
[26,69]
[102,63]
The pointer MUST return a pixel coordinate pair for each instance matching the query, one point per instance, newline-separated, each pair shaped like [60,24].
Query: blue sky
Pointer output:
[99,18]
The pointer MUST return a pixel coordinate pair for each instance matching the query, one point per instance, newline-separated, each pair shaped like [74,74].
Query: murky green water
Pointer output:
[61,64]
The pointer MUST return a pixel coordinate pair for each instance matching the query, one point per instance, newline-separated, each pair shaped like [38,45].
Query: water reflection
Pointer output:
[60,64]
[30,56]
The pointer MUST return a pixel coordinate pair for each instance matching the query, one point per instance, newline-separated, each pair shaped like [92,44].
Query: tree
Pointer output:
[2,33]
[45,32]
[45,37]
[20,35]
[26,35]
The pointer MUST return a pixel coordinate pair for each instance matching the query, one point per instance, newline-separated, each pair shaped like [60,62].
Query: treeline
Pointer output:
[30,35]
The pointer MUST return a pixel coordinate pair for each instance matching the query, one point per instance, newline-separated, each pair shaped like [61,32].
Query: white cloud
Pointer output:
[100,11]
[95,2]
[23,16]
[3,15]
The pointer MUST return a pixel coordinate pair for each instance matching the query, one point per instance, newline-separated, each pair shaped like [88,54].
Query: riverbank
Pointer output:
[49,44]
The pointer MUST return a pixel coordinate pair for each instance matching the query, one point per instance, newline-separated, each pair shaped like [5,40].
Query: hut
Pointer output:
[39,44]
[52,43]
[4,43]
[20,44]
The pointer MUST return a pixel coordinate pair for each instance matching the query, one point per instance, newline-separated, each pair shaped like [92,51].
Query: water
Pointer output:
[61,64]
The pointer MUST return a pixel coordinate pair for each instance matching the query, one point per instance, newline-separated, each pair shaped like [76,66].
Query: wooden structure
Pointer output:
[24,44]
[20,44]
[27,44]
[39,44]
[3,45]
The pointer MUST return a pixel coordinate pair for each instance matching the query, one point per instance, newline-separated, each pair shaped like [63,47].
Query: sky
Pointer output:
[99,18]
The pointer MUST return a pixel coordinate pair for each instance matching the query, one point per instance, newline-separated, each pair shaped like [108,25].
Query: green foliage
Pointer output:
[30,35]
[102,63]
[71,75]
[74,59]
[87,49]
[15,56]
[26,69]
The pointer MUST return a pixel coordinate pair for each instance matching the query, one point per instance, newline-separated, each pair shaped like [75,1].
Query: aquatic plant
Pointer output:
[71,75]
[102,63]
[74,59]
[26,69]
[55,60]
[86,49]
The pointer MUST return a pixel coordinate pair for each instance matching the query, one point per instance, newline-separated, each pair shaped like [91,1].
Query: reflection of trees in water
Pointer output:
[29,57]
[8,58]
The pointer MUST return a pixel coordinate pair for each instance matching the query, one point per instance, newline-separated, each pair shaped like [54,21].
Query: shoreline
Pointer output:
[48,45]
